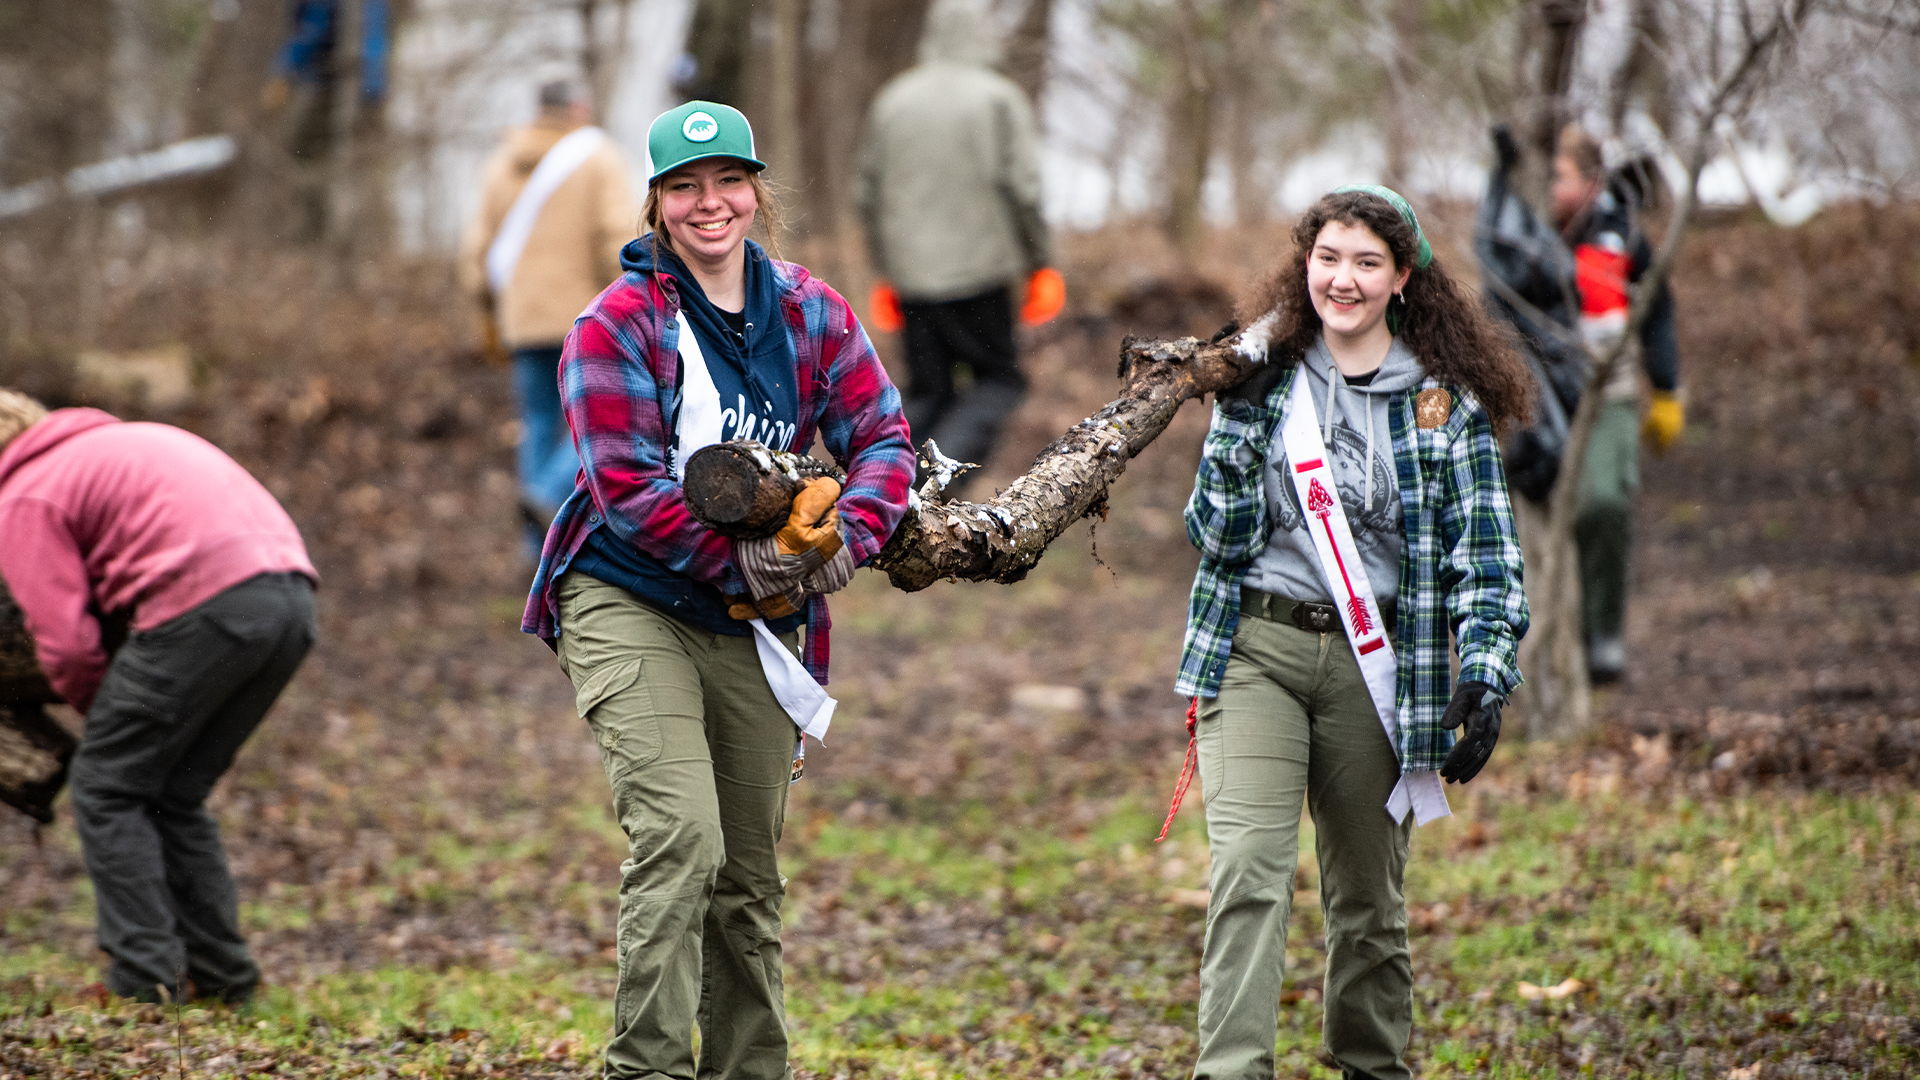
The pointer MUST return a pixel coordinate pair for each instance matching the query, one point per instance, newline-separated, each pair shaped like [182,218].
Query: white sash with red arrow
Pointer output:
[1312,473]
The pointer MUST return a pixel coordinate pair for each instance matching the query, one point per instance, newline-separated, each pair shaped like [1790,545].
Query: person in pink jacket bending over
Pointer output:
[170,600]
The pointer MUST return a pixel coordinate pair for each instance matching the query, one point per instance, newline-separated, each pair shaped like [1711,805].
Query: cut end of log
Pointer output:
[728,489]
[741,489]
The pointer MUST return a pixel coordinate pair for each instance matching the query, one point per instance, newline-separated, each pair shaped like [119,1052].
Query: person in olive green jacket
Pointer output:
[949,191]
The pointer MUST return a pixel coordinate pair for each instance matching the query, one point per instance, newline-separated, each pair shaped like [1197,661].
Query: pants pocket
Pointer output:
[619,710]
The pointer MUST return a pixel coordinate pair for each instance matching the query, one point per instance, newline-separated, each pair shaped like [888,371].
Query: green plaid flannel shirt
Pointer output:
[1459,565]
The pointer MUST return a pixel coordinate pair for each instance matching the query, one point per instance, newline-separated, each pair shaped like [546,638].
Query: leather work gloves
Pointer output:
[1478,706]
[806,556]
[1666,419]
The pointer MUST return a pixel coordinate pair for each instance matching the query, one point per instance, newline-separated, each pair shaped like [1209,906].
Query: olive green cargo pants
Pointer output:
[699,754]
[1293,721]
[1603,527]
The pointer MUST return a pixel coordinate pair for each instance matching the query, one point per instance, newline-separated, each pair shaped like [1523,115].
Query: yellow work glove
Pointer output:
[806,556]
[1666,418]
[813,524]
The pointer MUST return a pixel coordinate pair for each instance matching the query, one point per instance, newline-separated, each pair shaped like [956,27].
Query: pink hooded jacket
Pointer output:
[139,520]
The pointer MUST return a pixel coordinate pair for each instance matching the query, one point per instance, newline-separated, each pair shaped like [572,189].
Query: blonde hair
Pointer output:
[18,412]
[768,214]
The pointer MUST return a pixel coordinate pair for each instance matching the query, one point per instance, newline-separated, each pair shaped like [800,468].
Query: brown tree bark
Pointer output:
[1002,539]
[20,676]
[34,750]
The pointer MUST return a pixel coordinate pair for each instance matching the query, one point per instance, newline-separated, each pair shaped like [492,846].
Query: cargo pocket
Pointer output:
[620,713]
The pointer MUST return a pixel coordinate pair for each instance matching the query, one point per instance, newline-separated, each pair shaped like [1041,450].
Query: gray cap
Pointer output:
[559,93]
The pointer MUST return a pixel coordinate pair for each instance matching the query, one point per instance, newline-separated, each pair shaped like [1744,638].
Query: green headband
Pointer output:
[1423,251]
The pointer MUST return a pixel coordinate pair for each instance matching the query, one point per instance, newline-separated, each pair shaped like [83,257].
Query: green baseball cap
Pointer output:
[1423,251]
[696,130]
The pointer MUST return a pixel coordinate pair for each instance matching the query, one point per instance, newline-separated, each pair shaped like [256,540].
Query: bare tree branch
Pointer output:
[1876,20]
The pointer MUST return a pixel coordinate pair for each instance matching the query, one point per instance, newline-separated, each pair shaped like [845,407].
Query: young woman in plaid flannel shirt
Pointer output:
[1411,381]
[706,338]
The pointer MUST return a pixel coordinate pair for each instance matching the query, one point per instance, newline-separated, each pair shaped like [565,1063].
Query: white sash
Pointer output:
[558,163]
[1312,474]
[805,700]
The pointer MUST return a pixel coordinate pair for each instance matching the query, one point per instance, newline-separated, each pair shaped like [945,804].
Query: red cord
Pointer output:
[1186,769]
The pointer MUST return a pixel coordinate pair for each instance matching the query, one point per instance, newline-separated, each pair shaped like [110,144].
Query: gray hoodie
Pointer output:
[1358,434]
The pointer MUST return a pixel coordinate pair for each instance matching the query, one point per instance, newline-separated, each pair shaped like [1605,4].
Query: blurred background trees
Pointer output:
[358,123]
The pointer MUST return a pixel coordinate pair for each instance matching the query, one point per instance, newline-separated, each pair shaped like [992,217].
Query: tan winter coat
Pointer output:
[574,250]
[949,177]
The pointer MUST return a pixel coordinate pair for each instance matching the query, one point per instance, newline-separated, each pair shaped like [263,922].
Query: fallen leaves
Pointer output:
[1561,990]
[1193,898]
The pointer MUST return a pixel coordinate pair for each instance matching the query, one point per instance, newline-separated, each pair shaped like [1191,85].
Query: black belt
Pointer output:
[1306,614]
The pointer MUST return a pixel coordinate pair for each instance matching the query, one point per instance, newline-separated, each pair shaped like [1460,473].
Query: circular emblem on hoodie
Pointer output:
[700,127]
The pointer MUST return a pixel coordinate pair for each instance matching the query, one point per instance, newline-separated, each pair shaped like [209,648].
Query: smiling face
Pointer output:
[707,207]
[1351,277]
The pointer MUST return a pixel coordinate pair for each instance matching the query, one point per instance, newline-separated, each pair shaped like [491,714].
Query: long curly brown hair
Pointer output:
[1441,323]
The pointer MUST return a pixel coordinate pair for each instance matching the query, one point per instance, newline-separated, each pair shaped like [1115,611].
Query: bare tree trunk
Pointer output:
[1028,51]
[1189,139]
[1003,539]
[1556,698]
[783,98]
[719,43]
[1643,72]
[1554,28]
[1406,18]
[603,52]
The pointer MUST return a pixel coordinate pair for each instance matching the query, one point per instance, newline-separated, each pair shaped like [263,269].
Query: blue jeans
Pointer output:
[547,461]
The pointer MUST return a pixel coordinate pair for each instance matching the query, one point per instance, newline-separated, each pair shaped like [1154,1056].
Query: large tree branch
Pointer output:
[1002,539]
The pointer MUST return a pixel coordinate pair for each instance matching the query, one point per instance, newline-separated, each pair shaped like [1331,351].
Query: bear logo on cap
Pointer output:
[700,127]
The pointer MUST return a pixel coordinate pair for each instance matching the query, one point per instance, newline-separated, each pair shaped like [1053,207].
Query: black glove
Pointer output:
[1506,149]
[1478,706]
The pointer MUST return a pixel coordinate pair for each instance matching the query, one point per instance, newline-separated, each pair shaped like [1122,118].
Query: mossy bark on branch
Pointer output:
[1002,539]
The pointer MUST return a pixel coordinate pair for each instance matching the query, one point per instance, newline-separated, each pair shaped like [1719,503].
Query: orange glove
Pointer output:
[1046,296]
[883,308]
[813,524]
[806,556]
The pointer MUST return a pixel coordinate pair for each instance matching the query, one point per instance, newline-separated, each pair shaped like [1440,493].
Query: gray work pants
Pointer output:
[176,703]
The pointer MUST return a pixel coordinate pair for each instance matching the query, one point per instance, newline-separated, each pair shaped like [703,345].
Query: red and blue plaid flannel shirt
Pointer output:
[620,385]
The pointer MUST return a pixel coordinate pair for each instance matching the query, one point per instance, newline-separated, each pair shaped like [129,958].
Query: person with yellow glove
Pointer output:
[1599,222]
[1666,419]
[948,188]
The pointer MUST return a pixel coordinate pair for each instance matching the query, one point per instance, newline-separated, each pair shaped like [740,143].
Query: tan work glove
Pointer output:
[806,556]
[1666,419]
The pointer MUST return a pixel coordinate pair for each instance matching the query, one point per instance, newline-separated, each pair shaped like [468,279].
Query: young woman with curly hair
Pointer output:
[1318,636]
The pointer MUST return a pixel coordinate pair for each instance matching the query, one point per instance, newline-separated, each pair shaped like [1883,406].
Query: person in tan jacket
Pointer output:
[556,207]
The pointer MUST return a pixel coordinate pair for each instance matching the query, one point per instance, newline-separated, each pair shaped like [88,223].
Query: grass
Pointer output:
[1705,934]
